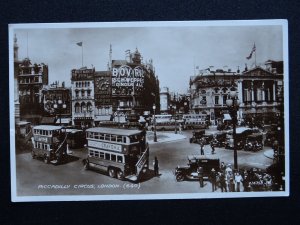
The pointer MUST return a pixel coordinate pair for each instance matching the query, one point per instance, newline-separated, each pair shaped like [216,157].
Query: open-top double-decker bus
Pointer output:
[122,153]
[50,143]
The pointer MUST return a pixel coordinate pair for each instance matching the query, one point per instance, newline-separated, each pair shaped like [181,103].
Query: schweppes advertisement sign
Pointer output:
[125,76]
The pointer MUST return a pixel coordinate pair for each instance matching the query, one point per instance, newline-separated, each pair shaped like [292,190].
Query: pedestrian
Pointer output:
[238,179]
[212,145]
[180,128]
[200,175]
[231,183]
[156,168]
[222,181]
[213,179]
[201,147]
[223,167]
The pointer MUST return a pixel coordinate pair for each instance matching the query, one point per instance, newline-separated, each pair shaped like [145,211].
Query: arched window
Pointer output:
[83,107]
[77,107]
[89,107]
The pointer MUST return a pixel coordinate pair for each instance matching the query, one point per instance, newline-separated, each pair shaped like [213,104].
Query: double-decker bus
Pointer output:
[122,153]
[195,121]
[75,138]
[50,143]
[163,118]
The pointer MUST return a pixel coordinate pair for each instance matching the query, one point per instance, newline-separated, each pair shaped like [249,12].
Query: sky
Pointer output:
[175,50]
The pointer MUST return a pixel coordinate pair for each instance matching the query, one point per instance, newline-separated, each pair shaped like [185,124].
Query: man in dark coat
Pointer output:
[212,145]
[201,147]
[200,175]
[222,182]
[213,179]
[156,172]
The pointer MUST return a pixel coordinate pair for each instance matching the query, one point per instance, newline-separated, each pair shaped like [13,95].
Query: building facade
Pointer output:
[31,79]
[59,96]
[259,90]
[135,87]
[83,102]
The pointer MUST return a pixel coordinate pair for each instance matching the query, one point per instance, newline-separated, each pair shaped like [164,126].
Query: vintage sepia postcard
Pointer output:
[149,110]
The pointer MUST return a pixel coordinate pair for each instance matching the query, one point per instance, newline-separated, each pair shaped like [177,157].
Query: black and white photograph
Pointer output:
[149,110]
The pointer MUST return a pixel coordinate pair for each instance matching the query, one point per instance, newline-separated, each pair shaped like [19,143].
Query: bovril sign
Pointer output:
[125,76]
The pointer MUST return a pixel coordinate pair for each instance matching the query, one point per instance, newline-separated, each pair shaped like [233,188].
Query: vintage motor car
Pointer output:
[207,138]
[221,139]
[197,135]
[254,142]
[189,172]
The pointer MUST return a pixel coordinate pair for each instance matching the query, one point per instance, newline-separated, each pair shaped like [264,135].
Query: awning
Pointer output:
[63,121]
[47,120]
[227,117]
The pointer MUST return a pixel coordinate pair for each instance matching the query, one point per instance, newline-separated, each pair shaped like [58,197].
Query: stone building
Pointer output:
[260,91]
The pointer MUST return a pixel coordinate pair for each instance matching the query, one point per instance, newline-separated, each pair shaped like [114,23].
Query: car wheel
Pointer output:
[46,159]
[33,154]
[112,172]
[179,177]
[120,175]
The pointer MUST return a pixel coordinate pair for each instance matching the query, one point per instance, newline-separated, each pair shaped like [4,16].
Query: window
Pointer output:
[101,155]
[216,100]
[96,135]
[113,157]
[119,159]
[107,137]
[77,107]
[107,156]
[101,137]
[113,138]
[97,154]
[119,138]
[91,153]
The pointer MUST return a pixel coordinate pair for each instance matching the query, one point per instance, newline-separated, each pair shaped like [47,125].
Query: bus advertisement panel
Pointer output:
[122,153]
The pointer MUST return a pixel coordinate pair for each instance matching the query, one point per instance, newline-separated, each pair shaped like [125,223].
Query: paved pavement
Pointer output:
[269,153]
[163,137]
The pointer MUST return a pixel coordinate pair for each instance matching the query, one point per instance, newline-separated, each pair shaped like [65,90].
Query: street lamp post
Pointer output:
[175,120]
[118,113]
[59,106]
[233,106]
[155,137]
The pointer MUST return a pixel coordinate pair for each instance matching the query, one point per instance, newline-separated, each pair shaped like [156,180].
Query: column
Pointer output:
[274,92]
[240,92]
[252,91]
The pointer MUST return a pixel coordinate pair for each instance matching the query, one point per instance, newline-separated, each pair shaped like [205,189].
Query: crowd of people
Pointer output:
[229,180]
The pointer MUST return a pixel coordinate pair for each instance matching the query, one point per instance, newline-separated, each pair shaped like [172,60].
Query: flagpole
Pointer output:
[255,55]
[82,55]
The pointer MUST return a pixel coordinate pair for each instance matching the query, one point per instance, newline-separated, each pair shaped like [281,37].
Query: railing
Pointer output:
[140,164]
[62,144]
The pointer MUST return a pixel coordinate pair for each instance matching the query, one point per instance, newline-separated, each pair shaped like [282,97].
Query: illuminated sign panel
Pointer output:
[102,89]
[126,78]
[84,74]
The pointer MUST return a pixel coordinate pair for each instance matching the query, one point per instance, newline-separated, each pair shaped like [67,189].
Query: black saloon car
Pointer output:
[189,172]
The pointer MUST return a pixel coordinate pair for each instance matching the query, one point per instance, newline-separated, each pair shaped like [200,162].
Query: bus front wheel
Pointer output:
[112,172]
